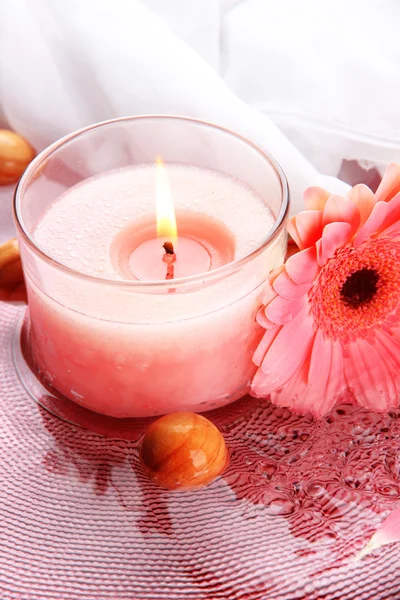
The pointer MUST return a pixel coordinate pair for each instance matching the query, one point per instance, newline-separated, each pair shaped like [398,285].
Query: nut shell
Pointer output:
[15,155]
[183,451]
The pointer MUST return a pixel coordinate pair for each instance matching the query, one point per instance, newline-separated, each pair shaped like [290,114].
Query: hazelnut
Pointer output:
[15,155]
[12,287]
[183,451]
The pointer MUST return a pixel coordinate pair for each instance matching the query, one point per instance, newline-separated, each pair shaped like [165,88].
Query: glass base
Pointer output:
[58,405]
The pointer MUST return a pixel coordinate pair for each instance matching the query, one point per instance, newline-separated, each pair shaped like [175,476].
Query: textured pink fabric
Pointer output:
[80,521]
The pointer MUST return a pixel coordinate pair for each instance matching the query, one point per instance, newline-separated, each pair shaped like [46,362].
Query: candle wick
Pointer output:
[169,248]
[169,258]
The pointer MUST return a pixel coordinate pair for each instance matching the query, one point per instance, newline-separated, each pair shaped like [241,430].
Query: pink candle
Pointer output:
[151,249]
[136,350]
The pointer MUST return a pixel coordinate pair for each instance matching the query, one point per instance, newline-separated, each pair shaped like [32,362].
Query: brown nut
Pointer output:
[15,155]
[183,451]
[12,286]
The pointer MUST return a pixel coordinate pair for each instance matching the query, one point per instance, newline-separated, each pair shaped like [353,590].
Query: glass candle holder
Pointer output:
[125,346]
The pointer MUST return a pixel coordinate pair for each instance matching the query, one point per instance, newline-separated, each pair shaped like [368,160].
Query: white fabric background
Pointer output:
[327,72]
[323,72]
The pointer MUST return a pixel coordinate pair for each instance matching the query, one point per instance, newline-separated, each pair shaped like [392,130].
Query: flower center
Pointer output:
[357,289]
[360,287]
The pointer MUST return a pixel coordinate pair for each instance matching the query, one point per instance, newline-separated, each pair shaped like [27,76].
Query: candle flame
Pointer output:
[166,221]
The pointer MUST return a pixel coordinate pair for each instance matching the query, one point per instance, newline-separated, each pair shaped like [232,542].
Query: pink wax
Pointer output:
[127,350]
[202,244]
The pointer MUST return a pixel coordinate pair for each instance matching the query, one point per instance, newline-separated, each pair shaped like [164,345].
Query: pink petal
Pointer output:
[334,236]
[267,294]
[262,320]
[306,228]
[393,213]
[368,375]
[317,401]
[289,350]
[325,377]
[372,224]
[285,287]
[393,334]
[318,384]
[303,266]
[393,231]
[292,248]
[292,231]
[315,198]
[336,384]
[281,311]
[259,385]
[339,209]
[304,392]
[292,393]
[387,533]
[275,273]
[320,362]
[388,347]
[390,184]
[364,199]
[264,345]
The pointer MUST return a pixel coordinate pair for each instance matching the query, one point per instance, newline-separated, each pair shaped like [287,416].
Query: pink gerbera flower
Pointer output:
[332,312]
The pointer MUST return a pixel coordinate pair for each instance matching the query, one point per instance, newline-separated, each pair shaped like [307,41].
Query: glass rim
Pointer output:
[230,267]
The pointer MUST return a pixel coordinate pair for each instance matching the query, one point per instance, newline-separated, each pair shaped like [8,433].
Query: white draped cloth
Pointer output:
[311,81]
